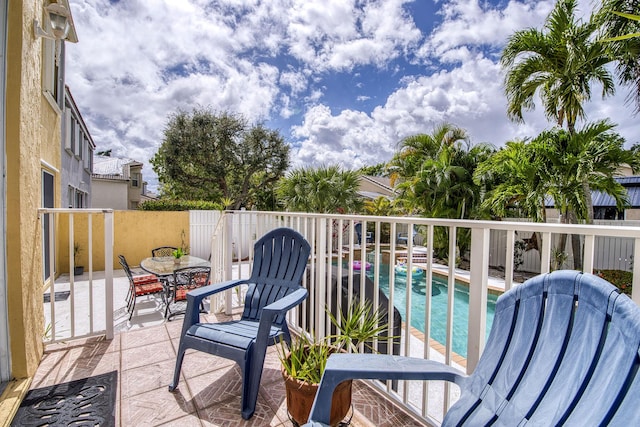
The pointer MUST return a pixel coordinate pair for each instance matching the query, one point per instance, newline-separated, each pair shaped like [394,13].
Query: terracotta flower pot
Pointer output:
[300,396]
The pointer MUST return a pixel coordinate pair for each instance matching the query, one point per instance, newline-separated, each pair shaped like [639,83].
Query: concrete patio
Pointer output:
[143,353]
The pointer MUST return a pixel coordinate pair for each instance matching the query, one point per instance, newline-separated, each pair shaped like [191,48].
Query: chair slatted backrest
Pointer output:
[563,348]
[280,258]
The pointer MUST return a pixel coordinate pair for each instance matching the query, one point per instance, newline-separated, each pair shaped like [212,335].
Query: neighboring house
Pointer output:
[32,100]
[372,187]
[77,157]
[604,207]
[117,183]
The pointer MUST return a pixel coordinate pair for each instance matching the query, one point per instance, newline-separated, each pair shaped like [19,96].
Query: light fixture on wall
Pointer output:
[57,18]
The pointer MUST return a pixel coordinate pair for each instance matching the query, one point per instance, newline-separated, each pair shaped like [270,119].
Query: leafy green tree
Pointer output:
[434,176]
[621,20]
[215,156]
[326,189]
[559,165]
[560,63]
[435,173]
[376,170]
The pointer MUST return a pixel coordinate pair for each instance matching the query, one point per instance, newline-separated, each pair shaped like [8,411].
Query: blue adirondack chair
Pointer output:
[280,258]
[563,350]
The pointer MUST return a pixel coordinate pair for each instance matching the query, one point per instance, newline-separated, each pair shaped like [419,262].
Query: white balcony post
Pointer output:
[635,287]
[478,275]
[108,272]
[227,259]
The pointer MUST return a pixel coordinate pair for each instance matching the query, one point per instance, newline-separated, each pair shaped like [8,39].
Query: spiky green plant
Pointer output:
[306,357]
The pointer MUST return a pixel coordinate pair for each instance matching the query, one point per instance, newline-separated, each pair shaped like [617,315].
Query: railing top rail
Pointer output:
[74,210]
[596,230]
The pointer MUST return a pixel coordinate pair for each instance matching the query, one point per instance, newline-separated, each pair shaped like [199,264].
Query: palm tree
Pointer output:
[560,165]
[560,63]
[621,20]
[326,189]
[418,157]
[519,181]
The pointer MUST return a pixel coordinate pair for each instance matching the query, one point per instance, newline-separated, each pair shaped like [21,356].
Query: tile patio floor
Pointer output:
[209,389]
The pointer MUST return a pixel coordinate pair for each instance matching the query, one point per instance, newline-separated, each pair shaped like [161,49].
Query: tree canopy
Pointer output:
[560,63]
[326,189]
[219,156]
[621,20]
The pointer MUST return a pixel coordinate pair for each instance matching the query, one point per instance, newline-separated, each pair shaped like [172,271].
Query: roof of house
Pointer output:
[383,183]
[106,165]
[631,183]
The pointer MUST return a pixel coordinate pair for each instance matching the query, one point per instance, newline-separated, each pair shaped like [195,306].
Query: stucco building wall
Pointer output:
[32,143]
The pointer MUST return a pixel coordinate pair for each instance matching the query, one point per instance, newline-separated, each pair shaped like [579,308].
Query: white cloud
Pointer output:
[471,24]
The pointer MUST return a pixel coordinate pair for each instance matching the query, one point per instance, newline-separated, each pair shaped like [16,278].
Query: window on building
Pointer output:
[135,180]
[71,192]
[68,130]
[78,142]
[608,212]
[52,71]
[88,159]
[81,199]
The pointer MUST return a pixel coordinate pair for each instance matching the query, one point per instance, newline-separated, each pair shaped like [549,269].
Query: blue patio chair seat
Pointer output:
[280,259]
[563,349]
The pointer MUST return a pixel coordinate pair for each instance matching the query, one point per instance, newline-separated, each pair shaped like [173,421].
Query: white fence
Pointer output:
[334,243]
[85,304]
[610,253]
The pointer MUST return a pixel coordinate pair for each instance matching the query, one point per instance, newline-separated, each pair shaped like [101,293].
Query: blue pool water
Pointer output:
[438,306]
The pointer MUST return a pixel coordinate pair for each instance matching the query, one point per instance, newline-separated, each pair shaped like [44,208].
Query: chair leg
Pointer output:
[176,372]
[251,376]
[133,307]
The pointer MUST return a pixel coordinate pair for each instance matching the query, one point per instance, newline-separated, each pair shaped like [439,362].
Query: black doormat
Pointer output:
[59,296]
[86,402]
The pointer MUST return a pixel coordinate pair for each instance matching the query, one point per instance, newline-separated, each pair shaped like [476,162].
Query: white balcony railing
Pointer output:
[334,242]
[86,306]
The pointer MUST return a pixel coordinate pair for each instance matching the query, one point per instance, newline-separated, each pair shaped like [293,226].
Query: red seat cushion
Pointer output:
[148,278]
[149,288]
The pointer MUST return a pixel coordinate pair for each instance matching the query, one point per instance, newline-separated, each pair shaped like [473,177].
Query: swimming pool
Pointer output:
[438,306]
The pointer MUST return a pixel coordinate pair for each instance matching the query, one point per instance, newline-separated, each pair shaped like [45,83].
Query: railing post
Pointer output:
[108,272]
[479,277]
[227,255]
[635,286]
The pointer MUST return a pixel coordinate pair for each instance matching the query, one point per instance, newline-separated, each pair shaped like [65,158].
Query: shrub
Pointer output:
[179,205]
[619,278]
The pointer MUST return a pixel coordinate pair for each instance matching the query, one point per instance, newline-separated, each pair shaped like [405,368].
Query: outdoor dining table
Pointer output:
[163,267]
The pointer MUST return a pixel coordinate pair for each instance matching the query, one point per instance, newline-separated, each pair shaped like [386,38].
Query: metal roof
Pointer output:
[631,183]
[106,165]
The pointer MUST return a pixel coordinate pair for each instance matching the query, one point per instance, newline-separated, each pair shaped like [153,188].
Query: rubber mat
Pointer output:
[85,402]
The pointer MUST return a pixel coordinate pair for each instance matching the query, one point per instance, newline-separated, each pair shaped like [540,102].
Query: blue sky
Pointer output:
[343,80]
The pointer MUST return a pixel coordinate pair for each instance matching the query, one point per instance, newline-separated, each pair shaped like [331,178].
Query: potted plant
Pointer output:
[303,362]
[177,254]
[77,269]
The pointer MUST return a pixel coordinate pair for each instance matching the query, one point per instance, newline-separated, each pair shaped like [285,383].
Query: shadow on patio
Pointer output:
[143,352]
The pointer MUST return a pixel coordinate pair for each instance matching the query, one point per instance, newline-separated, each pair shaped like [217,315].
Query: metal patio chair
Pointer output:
[280,259]
[163,251]
[185,280]
[563,349]
[147,284]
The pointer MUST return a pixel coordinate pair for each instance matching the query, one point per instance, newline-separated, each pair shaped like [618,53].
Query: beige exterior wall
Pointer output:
[111,194]
[32,137]
[135,234]
[632,214]
[32,144]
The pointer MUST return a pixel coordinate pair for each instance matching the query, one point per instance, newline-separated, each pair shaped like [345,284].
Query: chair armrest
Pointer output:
[195,297]
[285,304]
[341,367]
[280,306]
